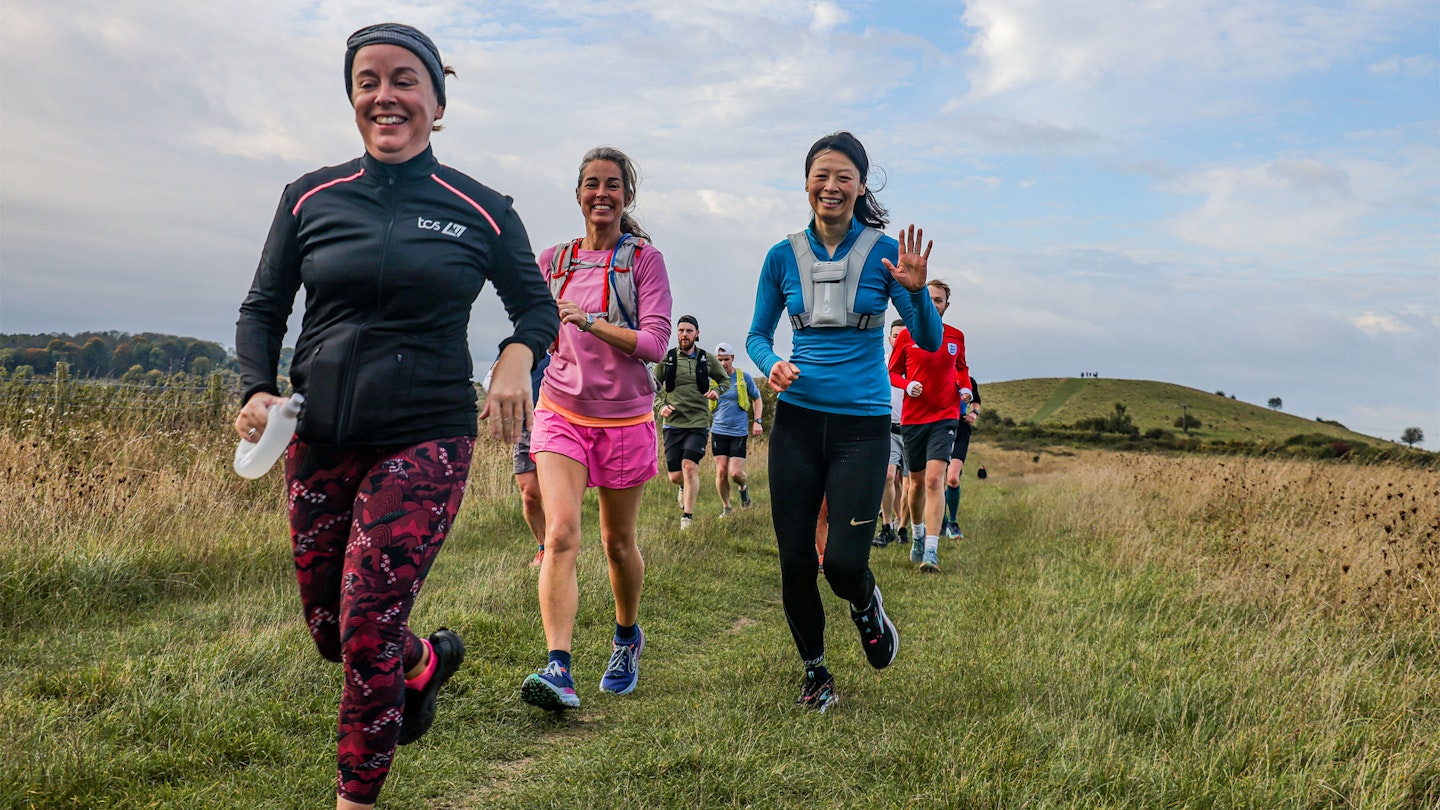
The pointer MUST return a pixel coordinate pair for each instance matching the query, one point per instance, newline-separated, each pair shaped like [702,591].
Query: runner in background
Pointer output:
[524,466]
[736,419]
[890,503]
[688,381]
[969,412]
[935,383]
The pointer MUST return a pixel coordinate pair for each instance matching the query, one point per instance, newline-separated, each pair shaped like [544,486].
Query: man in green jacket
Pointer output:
[688,380]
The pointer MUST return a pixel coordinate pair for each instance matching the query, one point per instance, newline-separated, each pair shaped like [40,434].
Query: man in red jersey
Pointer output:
[935,383]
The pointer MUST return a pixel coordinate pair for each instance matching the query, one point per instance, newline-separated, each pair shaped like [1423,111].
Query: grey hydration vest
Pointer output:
[622,300]
[829,287]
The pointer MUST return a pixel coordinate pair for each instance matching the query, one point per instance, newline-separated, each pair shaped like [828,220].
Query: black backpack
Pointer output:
[702,370]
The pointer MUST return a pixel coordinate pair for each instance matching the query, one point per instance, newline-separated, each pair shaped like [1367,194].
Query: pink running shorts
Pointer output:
[615,457]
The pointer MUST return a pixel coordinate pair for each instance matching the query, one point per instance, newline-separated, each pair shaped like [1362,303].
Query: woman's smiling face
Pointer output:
[602,194]
[833,184]
[395,102]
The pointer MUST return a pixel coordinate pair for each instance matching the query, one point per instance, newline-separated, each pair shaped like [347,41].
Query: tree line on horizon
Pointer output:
[116,355]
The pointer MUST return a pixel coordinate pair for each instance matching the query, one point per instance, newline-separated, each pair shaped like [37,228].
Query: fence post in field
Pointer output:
[217,396]
[62,380]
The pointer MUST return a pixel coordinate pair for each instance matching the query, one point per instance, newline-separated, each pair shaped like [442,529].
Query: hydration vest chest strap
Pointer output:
[829,287]
[622,300]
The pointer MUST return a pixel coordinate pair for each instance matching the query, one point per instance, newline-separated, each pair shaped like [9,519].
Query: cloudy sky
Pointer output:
[1236,195]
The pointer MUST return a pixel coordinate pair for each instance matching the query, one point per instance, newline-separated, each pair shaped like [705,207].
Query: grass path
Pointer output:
[1068,387]
[1036,671]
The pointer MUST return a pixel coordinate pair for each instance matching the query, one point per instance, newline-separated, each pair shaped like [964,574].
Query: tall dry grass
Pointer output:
[101,514]
[1343,539]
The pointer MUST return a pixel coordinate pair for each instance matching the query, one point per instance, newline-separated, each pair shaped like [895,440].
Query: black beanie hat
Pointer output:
[690,319]
[406,37]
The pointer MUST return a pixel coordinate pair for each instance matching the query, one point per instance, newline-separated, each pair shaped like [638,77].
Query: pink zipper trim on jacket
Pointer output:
[307,194]
[473,204]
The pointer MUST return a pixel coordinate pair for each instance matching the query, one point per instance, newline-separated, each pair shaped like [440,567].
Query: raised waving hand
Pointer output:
[914,265]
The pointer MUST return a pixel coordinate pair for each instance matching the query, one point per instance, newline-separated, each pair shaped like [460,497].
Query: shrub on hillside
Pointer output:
[1117,421]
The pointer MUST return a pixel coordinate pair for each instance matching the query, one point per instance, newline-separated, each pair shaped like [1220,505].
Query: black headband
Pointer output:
[406,37]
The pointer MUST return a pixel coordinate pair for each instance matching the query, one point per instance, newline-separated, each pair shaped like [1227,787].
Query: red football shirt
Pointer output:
[942,373]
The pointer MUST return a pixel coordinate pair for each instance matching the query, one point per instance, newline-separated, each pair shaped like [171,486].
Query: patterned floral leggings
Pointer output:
[366,525]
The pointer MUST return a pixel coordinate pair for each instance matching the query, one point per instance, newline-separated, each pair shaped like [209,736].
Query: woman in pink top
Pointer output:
[595,421]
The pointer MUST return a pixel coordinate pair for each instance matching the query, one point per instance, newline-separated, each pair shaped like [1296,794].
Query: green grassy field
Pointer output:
[1066,400]
[1116,632]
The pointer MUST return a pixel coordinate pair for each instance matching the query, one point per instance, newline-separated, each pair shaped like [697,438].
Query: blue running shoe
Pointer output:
[878,636]
[551,689]
[624,668]
[917,549]
[930,564]
[817,693]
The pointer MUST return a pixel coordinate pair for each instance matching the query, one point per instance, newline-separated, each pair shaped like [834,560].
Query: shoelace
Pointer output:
[622,659]
[555,670]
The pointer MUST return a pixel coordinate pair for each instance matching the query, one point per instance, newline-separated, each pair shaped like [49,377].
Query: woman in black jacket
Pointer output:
[392,249]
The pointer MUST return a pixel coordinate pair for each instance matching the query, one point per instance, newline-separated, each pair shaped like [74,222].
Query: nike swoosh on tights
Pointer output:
[854,522]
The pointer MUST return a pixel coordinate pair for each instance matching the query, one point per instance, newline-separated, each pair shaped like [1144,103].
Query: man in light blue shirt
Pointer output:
[736,418]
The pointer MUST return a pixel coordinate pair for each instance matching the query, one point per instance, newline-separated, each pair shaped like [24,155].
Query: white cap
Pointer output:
[724,348]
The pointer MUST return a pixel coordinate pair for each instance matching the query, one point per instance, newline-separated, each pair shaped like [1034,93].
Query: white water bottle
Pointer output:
[254,459]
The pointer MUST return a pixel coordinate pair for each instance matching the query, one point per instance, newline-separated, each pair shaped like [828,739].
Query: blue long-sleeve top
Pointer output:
[842,370]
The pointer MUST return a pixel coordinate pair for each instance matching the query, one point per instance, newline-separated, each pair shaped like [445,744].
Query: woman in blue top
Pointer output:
[831,433]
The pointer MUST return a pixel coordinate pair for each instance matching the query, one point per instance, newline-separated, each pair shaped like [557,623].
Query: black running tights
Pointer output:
[816,455]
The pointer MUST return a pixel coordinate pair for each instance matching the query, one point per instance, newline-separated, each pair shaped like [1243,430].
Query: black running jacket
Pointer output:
[392,258]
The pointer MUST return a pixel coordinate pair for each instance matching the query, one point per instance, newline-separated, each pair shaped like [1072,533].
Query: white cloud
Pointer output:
[1374,325]
[1317,204]
[827,16]
[1022,42]
[1410,67]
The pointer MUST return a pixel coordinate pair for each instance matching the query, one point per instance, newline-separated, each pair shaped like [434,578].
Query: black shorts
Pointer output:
[962,441]
[932,441]
[683,444]
[732,446]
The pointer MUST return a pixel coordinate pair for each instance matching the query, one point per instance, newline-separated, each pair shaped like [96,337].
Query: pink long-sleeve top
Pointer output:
[589,376]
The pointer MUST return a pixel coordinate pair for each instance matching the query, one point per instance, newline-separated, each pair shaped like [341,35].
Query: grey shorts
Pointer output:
[897,449]
[523,462]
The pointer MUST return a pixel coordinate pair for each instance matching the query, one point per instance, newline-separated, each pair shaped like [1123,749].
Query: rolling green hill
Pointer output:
[1067,400]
